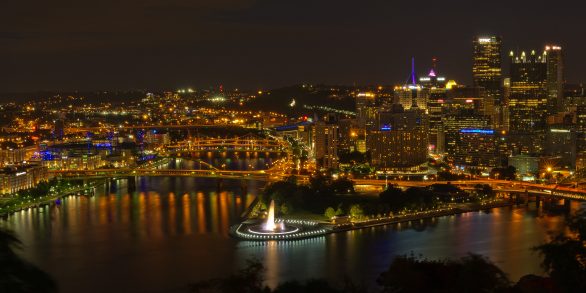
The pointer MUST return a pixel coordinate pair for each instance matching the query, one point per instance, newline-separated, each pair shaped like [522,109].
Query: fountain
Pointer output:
[270,224]
[278,229]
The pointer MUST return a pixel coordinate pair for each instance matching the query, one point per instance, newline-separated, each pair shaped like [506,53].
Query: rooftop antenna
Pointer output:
[432,72]
[413,71]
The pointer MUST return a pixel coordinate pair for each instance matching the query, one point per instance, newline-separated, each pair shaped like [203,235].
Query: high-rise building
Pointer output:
[412,95]
[453,123]
[400,143]
[487,73]
[561,142]
[479,148]
[326,144]
[555,77]
[528,97]
[366,110]
[528,102]
[434,88]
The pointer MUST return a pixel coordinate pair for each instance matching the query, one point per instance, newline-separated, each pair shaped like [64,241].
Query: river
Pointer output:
[170,231]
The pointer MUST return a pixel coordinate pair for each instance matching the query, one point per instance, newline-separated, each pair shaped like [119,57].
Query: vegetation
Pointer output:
[410,274]
[472,273]
[315,198]
[354,157]
[25,197]
[324,196]
[250,280]
[565,256]
[506,173]
[16,274]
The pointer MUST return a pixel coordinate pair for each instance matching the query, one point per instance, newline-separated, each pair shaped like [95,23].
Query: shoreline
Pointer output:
[329,228]
[418,216]
[42,201]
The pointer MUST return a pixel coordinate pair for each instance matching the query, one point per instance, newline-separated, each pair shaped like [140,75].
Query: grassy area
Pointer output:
[43,193]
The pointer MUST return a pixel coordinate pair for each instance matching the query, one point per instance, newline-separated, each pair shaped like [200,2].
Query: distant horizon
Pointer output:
[266,44]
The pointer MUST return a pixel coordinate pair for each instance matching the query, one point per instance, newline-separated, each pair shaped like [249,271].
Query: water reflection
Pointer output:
[172,231]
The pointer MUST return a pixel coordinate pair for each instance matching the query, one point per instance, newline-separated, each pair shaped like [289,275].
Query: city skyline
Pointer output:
[292,146]
[261,44]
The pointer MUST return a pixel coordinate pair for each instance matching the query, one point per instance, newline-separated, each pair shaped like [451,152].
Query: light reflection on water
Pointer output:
[172,231]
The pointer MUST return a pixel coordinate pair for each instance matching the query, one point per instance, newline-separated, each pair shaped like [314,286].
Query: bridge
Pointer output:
[246,143]
[280,171]
[497,185]
[158,126]
[264,175]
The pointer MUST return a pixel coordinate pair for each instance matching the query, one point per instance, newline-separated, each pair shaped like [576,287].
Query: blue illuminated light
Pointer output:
[386,127]
[474,130]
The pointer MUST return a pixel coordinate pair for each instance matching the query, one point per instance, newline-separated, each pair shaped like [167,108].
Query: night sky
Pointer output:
[150,44]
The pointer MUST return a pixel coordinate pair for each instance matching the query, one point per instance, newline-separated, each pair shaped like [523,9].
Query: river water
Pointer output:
[170,231]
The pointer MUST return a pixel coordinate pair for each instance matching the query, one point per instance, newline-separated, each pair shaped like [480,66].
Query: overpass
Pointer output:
[280,171]
[128,172]
[246,143]
[497,185]
[157,126]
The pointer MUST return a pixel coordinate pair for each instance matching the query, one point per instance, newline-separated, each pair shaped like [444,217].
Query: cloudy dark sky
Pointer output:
[153,44]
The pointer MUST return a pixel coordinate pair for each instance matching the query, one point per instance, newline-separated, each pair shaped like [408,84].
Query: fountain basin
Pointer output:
[293,230]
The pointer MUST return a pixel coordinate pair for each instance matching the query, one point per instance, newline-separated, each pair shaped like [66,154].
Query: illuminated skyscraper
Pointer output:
[555,77]
[486,73]
[411,95]
[528,103]
[400,142]
[326,144]
[366,110]
[486,67]
[528,97]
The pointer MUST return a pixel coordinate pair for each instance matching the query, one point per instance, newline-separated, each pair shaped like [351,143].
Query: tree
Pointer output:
[356,211]
[250,279]
[18,275]
[472,273]
[565,256]
[247,280]
[354,157]
[339,211]
[508,173]
[330,212]
[342,186]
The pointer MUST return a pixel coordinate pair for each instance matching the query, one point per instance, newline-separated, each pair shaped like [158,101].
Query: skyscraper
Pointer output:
[326,144]
[400,142]
[486,67]
[528,103]
[411,95]
[528,100]
[555,77]
[486,73]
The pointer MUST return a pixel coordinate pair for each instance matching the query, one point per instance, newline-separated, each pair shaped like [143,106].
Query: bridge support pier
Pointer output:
[107,185]
[244,186]
[131,183]
[219,185]
[567,204]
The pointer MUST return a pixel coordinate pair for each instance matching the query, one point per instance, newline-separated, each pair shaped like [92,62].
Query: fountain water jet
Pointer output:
[273,227]
[270,224]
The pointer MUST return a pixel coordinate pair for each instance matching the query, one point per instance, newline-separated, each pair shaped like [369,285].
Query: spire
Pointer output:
[432,71]
[413,71]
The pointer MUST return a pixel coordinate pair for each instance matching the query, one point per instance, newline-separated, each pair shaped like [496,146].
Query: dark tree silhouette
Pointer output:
[18,275]
[564,258]
[247,280]
[472,273]
[250,279]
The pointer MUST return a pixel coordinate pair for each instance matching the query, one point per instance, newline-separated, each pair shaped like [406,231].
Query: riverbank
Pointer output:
[420,216]
[327,228]
[10,208]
